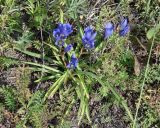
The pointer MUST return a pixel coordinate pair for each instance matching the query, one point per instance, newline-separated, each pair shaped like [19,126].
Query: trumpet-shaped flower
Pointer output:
[73,62]
[124,27]
[61,33]
[68,48]
[109,28]
[88,38]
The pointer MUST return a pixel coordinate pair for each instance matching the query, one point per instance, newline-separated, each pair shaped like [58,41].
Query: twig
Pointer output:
[81,52]
[142,87]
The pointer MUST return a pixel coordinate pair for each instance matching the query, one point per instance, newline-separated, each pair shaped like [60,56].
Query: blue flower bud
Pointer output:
[109,28]
[68,48]
[88,38]
[124,27]
[73,62]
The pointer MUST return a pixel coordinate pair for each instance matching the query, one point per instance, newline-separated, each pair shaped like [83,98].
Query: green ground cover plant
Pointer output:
[79,63]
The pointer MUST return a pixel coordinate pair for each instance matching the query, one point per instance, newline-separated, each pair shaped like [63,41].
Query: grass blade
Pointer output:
[42,66]
[52,90]
[46,78]
[37,55]
[117,96]
[143,83]
[83,86]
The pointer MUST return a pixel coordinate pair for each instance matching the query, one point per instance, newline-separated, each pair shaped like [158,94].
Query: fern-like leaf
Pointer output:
[9,97]
[7,62]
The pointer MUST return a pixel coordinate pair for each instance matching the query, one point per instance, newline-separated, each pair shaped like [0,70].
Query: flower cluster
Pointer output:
[88,39]
[61,33]
[124,28]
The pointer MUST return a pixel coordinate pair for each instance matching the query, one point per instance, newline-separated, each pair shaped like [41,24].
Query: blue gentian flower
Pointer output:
[57,35]
[124,27]
[73,62]
[68,48]
[66,29]
[109,28]
[61,33]
[88,38]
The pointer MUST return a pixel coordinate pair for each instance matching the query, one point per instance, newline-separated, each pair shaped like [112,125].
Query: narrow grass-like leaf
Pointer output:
[52,90]
[84,97]
[87,111]
[143,83]
[61,16]
[104,83]
[45,78]
[37,55]
[81,111]
[55,52]
[81,81]
[52,46]
[42,66]
[40,69]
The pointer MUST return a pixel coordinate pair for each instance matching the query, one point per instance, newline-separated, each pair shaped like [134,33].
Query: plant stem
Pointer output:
[143,83]
[81,52]
[62,56]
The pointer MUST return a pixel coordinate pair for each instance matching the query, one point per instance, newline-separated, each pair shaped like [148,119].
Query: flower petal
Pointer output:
[68,48]
[123,23]
[88,38]
[124,31]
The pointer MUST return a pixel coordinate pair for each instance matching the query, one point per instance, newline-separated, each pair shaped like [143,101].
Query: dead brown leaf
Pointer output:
[137,66]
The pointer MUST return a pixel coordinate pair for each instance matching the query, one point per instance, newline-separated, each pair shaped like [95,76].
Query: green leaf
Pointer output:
[81,111]
[104,83]
[37,69]
[36,99]
[52,47]
[81,81]
[87,111]
[46,78]
[36,55]
[55,52]
[83,95]
[151,33]
[61,16]
[7,61]
[52,90]
[42,66]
